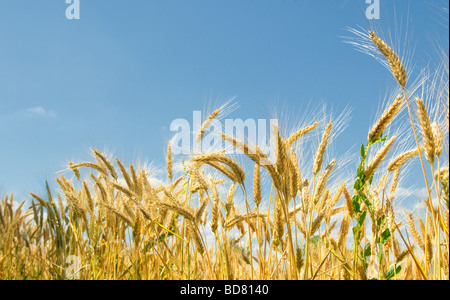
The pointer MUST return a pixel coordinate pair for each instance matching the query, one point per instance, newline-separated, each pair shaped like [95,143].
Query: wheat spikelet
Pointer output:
[426,237]
[206,124]
[417,238]
[215,208]
[401,256]
[61,207]
[225,171]
[394,184]
[422,228]
[325,198]
[183,211]
[442,175]
[121,215]
[173,185]
[278,222]
[229,200]
[125,174]
[107,163]
[281,162]
[297,175]
[197,176]
[75,170]
[342,240]
[201,209]
[432,233]
[376,161]
[317,222]
[257,156]
[400,160]
[320,187]
[348,202]
[335,210]
[306,197]
[427,132]
[90,200]
[195,236]
[89,165]
[328,231]
[301,226]
[257,185]
[298,134]
[438,138]
[240,218]
[212,158]
[397,67]
[385,119]
[124,190]
[335,198]
[137,189]
[169,161]
[69,194]
[321,150]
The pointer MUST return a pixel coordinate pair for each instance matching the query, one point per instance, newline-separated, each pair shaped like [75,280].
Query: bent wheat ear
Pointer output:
[398,70]
[107,163]
[75,170]
[236,173]
[255,154]
[89,165]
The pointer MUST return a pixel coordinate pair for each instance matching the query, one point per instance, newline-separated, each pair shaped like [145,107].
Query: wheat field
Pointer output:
[218,219]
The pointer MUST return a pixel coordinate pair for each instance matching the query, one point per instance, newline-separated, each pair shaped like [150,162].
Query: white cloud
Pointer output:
[40,111]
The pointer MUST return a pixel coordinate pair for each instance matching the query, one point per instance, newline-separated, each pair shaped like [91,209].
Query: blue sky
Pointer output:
[117,78]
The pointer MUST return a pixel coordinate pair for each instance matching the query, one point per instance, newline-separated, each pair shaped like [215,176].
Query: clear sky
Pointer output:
[117,78]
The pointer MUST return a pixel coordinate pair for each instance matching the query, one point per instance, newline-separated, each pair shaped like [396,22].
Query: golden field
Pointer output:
[214,219]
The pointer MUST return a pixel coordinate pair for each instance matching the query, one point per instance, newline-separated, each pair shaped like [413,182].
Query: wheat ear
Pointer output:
[427,132]
[385,119]
[397,67]
[321,150]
